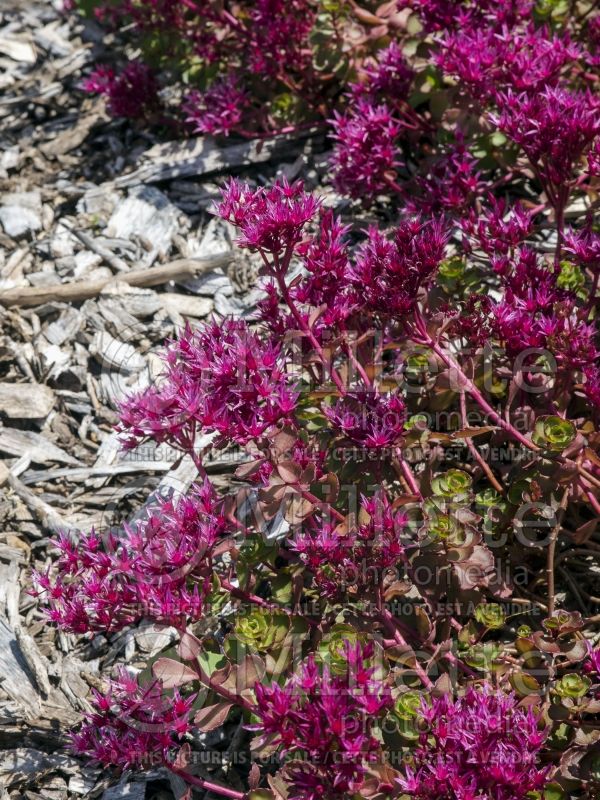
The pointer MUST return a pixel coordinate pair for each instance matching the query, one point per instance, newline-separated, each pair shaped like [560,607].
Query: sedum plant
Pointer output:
[415,408]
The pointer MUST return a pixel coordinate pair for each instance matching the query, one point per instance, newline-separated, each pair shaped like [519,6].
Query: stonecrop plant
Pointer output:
[394,600]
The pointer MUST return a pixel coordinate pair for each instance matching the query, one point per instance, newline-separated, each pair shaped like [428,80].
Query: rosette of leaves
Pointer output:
[570,278]
[417,368]
[572,686]
[553,433]
[491,615]
[253,553]
[483,656]
[559,637]
[455,484]
[331,650]
[262,631]
[493,508]
[443,528]
[405,714]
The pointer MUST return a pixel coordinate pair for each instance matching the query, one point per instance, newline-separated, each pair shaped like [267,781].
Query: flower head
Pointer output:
[387,79]
[132,725]
[365,157]
[486,60]
[449,184]
[271,220]
[328,717]
[368,418]
[223,377]
[158,567]
[325,257]
[218,110]
[584,246]
[388,273]
[553,127]
[133,93]
[348,562]
[478,745]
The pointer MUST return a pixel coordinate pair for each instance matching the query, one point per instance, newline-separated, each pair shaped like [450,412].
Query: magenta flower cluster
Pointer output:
[218,110]
[329,718]
[389,272]
[158,568]
[479,745]
[133,725]
[132,93]
[368,418]
[222,378]
[349,561]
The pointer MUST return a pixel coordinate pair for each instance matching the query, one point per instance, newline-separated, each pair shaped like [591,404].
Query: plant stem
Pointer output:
[469,386]
[475,452]
[278,271]
[389,621]
[208,786]
[552,550]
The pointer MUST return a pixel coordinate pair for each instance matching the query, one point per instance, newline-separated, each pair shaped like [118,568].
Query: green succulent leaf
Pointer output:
[491,615]
[572,685]
[453,483]
[262,631]
[553,433]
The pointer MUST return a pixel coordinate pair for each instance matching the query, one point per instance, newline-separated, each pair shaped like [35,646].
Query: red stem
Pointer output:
[194,780]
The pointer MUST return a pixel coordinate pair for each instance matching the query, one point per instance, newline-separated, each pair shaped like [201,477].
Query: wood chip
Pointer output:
[26,400]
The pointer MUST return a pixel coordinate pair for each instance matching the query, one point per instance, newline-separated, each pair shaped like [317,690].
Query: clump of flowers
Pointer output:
[157,568]
[389,272]
[131,93]
[486,61]
[368,418]
[221,378]
[218,110]
[132,725]
[366,156]
[479,745]
[350,560]
[554,128]
[330,718]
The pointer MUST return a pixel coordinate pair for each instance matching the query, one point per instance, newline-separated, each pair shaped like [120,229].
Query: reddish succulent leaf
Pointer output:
[173,673]
[189,647]
[212,717]
[289,471]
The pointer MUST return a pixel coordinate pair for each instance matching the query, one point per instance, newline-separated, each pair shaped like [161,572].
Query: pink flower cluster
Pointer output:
[481,744]
[533,312]
[497,228]
[327,717]
[368,418]
[388,273]
[223,378]
[218,110]
[133,93]
[366,158]
[133,725]
[158,568]
[270,220]
[486,61]
[344,561]
[449,183]
[388,77]
[439,15]
[278,37]
[554,128]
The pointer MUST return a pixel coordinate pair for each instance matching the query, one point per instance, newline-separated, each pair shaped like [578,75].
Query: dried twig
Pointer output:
[83,290]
